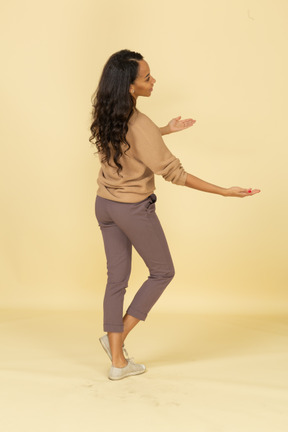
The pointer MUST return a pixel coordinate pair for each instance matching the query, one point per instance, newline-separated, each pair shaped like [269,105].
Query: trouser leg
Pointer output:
[150,242]
[118,253]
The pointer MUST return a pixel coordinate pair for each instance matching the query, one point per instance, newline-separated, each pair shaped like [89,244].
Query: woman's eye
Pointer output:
[148,79]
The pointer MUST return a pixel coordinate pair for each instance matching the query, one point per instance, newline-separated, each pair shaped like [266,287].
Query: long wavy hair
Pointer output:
[113,106]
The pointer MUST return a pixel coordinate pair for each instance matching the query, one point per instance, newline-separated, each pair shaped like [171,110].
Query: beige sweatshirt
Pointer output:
[148,155]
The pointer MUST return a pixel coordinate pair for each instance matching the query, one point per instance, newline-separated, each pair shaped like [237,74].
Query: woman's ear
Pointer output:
[131,89]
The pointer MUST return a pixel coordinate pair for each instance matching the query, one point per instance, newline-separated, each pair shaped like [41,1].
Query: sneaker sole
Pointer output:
[127,375]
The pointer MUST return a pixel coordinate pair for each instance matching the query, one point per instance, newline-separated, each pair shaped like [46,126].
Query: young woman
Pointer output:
[131,151]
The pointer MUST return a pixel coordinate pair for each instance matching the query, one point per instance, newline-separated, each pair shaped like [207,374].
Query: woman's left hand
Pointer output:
[240,192]
[176,124]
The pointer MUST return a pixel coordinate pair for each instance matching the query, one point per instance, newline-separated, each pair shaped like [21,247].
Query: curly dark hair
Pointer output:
[113,106]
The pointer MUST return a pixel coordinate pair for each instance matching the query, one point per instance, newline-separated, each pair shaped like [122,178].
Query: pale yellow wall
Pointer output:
[222,62]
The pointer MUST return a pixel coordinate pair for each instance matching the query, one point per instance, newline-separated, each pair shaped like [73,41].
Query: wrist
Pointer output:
[167,129]
[224,192]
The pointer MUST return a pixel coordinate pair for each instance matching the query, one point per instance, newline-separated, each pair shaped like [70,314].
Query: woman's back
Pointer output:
[147,155]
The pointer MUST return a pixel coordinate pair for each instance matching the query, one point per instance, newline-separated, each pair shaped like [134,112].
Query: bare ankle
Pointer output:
[119,363]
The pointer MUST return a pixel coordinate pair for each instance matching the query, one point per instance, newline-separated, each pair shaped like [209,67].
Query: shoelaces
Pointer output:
[125,353]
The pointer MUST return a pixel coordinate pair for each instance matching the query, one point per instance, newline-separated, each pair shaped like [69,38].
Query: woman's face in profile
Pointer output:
[143,85]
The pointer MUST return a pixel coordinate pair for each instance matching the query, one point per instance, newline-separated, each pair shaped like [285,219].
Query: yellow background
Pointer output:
[223,63]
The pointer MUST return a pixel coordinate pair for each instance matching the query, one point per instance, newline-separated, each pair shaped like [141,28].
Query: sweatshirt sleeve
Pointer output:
[151,150]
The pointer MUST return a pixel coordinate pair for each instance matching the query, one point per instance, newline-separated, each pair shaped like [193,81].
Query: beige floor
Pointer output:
[205,373]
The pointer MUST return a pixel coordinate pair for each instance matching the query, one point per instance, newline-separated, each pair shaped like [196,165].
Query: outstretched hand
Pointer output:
[240,192]
[176,124]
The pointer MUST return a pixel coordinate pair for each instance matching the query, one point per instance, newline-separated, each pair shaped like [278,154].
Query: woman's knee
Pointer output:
[171,274]
[166,275]
[171,271]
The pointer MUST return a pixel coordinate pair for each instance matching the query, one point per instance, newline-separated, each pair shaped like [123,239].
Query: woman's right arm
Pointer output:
[201,185]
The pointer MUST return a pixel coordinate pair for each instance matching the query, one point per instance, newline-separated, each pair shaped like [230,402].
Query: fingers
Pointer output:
[241,192]
[253,191]
[190,121]
[187,122]
[249,192]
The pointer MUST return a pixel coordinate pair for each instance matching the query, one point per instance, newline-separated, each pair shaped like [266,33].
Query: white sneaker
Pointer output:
[129,370]
[104,340]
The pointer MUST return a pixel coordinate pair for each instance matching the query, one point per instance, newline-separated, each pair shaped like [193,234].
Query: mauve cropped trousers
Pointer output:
[124,225]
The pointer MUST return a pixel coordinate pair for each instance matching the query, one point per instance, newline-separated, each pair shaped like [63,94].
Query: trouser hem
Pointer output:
[136,314]
[114,328]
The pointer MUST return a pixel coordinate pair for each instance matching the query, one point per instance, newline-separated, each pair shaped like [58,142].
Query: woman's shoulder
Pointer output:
[140,120]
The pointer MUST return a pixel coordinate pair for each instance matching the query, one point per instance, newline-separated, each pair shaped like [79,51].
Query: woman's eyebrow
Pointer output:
[147,75]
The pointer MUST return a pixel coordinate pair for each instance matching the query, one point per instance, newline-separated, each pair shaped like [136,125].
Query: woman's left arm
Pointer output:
[176,125]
